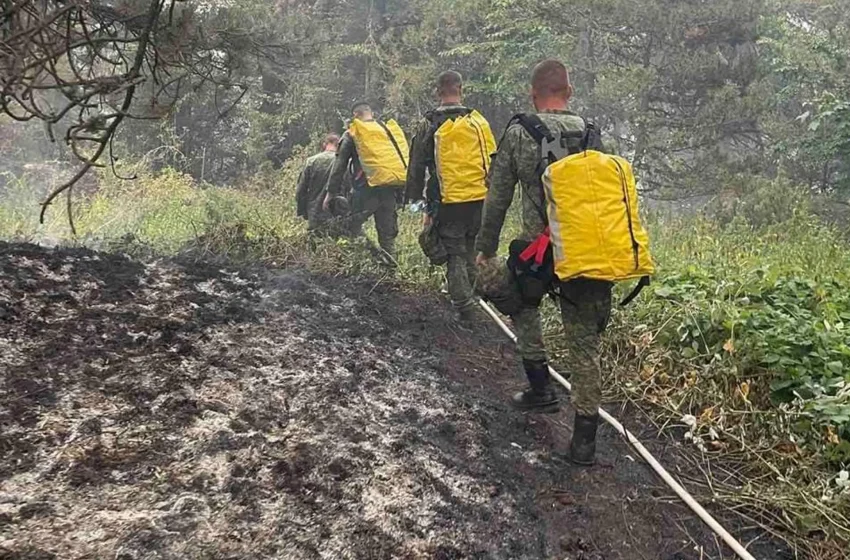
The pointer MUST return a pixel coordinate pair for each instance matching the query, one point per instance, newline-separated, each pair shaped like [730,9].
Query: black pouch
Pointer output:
[432,245]
[533,279]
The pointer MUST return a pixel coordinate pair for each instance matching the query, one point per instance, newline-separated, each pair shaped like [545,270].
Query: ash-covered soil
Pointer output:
[165,410]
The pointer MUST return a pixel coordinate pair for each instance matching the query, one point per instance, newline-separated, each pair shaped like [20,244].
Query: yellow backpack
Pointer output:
[463,143]
[594,222]
[381,148]
[594,229]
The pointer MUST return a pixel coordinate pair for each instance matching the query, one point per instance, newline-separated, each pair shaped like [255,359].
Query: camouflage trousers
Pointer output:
[322,223]
[457,226]
[585,307]
[379,202]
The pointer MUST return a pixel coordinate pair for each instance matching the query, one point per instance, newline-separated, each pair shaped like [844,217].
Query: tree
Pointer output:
[91,65]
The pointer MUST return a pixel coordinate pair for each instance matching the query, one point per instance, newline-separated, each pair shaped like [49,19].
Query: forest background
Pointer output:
[736,115]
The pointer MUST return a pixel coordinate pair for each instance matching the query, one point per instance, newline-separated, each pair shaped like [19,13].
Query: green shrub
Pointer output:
[758,202]
[768,308]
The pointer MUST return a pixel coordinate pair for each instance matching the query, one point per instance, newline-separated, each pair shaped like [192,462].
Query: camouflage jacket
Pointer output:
[516,161]
[421,160]
[346,160]
[312,181]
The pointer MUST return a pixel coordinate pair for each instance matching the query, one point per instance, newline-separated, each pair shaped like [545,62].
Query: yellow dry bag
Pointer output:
[596,232]
[462,148]
[591,207]
[381,148]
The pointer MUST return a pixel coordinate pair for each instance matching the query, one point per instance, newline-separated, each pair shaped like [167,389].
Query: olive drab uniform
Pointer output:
[585,304]
[458,140]
[369,199]
[311,189]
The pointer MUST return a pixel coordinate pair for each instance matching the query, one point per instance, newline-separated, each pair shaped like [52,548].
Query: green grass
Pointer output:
[742,344]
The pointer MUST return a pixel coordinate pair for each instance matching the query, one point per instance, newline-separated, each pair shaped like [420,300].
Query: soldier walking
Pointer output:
[375,154]
[453,144]
[310,192]
[585,304]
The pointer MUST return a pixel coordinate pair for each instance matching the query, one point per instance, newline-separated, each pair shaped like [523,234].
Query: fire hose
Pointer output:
[680,491]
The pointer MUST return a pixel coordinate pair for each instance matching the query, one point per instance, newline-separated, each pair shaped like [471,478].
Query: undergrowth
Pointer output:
[740,349]
[743,346]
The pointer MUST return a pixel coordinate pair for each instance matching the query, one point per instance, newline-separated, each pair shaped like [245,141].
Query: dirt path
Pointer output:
[157,410]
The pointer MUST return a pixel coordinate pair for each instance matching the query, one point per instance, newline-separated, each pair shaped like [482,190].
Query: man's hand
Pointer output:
[481,259]
[427,220]
[326,203]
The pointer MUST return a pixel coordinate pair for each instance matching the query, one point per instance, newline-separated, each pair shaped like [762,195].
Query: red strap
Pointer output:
[536,248]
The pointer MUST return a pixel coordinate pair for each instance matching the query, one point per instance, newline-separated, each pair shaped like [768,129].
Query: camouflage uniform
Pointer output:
[366,201]
[585,305]
[311,189]
[457,224]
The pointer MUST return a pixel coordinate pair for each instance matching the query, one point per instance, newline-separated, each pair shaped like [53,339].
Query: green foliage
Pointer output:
[746,328]
[758,202]
[766,306]
[745,332]
[805,49]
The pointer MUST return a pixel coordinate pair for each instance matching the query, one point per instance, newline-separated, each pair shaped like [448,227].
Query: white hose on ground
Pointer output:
[643,452]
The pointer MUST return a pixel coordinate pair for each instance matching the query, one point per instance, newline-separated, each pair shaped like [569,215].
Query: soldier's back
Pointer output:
[528,151]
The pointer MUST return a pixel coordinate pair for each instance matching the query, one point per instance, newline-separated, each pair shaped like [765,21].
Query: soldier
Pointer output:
[377,180]
[585,304]
[453,143]
[312,182]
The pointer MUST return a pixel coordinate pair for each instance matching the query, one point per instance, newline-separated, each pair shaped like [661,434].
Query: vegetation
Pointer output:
[736,115]
[741,348]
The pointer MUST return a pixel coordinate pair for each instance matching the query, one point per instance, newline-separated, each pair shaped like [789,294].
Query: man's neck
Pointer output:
[330,148]
[446,101]
[551,105]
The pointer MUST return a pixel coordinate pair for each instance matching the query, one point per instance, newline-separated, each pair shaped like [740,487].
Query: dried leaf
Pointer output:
[744,389]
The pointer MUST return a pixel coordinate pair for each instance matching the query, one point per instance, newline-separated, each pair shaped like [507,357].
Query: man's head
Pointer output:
[330,142]
[550,85]
[362,110]
[450,87]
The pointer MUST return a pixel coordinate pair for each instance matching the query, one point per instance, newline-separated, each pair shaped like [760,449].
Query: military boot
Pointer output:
[583,444]
[539,397]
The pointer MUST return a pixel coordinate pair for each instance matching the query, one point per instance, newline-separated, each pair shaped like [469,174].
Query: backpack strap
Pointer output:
[589,138]
[394,143]
[592,137]
[552,147]
[436,117]
[532,124]
[642,283]
[535,127]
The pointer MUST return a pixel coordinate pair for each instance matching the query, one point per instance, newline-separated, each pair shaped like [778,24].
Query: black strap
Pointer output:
[537,129]
[438,117]
[394,143]
[642,283]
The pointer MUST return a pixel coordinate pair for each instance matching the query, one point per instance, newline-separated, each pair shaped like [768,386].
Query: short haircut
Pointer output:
[330,138]
[449,83]
[550,78]
[361,107]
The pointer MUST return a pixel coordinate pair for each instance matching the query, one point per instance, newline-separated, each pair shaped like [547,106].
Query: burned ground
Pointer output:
[161,409]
